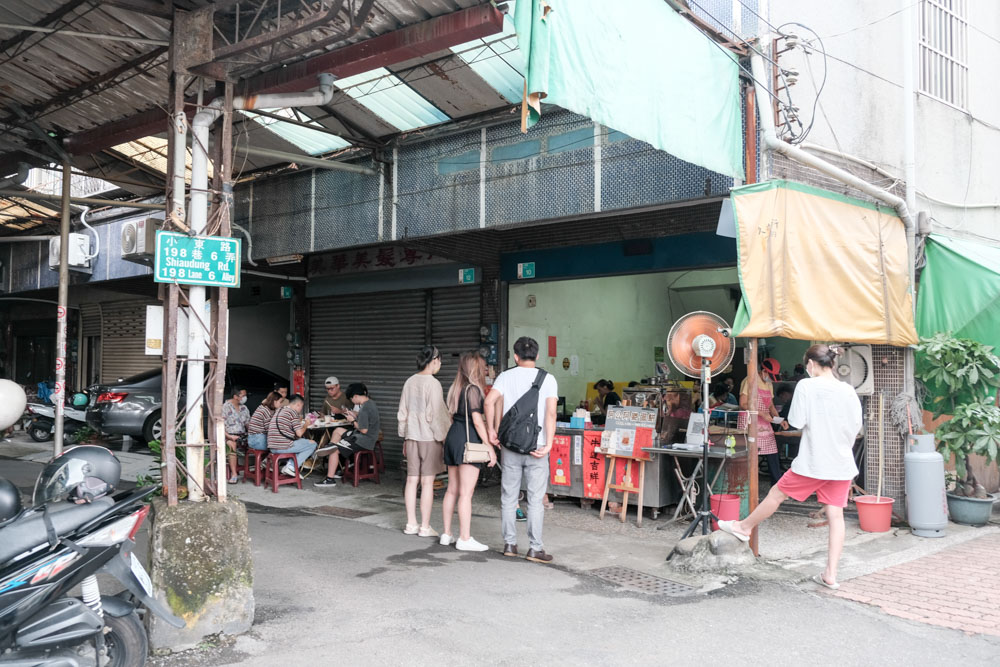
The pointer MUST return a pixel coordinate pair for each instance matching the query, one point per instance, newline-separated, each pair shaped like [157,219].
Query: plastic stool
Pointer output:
[362,467]
[252,462]
[379,456]
[274,464]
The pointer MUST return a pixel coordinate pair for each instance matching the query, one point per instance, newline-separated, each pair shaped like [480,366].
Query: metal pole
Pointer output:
[59,397]
[752,381]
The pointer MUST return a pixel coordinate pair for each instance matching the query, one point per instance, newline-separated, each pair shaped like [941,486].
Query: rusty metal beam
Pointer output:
[287,29]
[48,19]
[158,8]
[415,41]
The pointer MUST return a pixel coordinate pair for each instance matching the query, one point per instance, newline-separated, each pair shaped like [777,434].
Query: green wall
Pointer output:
[612,324]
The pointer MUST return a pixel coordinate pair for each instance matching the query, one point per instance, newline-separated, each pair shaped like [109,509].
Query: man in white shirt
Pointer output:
[510,386]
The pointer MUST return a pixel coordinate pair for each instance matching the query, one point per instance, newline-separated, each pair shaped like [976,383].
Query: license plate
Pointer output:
[140,573]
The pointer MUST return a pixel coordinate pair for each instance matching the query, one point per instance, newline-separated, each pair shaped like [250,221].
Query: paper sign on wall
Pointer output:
[559,461]
[593,465]
[578,450]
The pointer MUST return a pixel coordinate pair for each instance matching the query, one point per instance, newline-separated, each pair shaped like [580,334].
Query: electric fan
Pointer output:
[700,344]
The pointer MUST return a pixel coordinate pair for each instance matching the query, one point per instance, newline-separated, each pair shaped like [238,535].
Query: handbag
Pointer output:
[475,452]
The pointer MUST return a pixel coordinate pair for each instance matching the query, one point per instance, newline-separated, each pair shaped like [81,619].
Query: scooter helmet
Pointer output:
[80,474]
[10,501]
[79,399]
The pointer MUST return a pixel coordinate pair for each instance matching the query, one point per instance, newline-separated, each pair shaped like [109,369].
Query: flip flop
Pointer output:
[727,527]
[818,578]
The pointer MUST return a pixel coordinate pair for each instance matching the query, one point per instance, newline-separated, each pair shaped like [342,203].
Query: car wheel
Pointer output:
[153,428]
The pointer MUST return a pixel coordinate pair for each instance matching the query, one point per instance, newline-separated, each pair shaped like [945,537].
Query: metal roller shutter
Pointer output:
[90,319]
[123,339]
[369,338]
[454,326]
[374,338]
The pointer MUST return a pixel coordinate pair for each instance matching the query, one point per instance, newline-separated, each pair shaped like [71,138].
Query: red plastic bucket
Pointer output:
[726,506]
[874,513]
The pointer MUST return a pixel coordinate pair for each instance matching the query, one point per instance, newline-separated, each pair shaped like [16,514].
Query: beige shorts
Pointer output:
[423,458]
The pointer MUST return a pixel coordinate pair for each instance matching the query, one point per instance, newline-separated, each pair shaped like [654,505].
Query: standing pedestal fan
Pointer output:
[700,344]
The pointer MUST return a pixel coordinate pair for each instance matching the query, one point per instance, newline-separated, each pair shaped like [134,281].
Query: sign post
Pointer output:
[212,261]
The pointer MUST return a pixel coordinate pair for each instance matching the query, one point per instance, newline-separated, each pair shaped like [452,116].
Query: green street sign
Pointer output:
[213,261]
[466,276]
[526,270]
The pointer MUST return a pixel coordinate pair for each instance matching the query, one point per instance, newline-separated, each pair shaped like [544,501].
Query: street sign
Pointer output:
[287,292]
[526,270]
[466,276]
[213,261]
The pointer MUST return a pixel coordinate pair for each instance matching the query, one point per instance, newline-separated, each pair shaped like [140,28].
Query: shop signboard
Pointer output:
[466,276]
[525,270]
[593,465]
[559,474]
[213,261]
[628,429]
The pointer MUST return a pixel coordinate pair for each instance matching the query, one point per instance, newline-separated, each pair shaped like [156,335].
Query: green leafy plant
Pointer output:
[960,376]
[85,434]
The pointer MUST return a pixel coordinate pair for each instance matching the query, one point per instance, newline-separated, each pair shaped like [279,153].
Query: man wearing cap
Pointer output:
[336,402]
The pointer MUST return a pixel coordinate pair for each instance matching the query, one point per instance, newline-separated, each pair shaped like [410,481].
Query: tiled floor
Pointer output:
[957,588]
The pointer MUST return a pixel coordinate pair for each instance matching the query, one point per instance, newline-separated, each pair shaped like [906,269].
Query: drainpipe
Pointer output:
[197,221]
[910,166]
[772,142]
[16,179]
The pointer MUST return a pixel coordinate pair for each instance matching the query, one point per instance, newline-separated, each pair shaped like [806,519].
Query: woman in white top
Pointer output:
[828,412]
[423,425]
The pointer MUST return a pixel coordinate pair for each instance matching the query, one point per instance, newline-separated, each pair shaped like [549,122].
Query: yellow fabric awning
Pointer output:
[817,265]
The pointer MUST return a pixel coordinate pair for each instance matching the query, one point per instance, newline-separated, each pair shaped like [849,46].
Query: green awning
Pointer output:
[960,290]
[638,67]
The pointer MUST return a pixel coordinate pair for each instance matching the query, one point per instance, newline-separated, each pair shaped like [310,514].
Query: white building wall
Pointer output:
[861,107]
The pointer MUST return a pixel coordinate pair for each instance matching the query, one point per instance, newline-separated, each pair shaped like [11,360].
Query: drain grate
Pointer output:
[640,581]
[342,512]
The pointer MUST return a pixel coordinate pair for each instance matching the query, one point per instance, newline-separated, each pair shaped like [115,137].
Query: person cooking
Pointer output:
[763,403]
[606,398]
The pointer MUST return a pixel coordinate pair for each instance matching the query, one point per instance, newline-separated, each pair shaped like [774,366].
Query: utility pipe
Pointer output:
[197,221]
[772,142]
[306,160]
[91,35]
[910,174]
[16,179]
[18,239]
[59,396]
[90,201]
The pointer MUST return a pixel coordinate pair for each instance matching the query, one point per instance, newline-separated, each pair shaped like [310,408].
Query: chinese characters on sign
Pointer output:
[593,465]
[559,461]
[197,260]
[628,429]
[371,259]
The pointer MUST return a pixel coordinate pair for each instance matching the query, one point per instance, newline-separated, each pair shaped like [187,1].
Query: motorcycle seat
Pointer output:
[29,531]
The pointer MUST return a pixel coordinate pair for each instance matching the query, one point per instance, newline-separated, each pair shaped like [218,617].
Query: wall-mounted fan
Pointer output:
[854,367]
[698,345]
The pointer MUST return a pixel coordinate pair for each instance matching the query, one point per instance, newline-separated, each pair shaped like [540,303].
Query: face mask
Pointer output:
[357,406]
[243,400]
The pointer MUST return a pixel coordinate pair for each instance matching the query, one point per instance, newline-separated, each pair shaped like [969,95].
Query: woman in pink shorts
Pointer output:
[828,412]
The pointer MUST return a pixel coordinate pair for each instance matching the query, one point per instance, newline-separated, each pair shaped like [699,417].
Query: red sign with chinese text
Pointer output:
[593,465]
[559,460]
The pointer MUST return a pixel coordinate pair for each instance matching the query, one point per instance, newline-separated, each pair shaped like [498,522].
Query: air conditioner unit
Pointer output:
[77,256]
[854,367]
[139,239]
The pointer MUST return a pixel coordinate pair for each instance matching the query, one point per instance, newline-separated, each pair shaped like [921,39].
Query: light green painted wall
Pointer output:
[612,324]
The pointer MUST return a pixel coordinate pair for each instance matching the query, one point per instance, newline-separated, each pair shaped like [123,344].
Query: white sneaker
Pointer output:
[288,470]
[446,539]
[427,532]
[411,529]
[470,545]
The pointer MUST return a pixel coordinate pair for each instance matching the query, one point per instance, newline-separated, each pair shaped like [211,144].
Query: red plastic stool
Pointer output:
[274,464]
[252,465]
[362,467]
[379,456]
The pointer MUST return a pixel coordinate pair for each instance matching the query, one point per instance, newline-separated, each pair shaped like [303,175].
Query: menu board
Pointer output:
[628,429]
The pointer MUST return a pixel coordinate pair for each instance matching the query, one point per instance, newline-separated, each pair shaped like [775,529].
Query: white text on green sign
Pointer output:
[526,270]
[197,260]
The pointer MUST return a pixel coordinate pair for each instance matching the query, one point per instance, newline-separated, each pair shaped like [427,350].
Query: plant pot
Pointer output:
[970,511]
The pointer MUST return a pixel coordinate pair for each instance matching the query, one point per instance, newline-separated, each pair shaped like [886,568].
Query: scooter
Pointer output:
[48,550]
[43,421]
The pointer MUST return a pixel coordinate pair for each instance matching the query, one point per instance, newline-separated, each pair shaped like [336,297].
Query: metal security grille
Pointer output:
[887,363]
[90,319]
[640,581]
[123,341]
[944,51]
[374,338]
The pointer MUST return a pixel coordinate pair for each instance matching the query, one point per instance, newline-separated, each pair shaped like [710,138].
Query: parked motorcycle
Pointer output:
[41,427]
[77,528]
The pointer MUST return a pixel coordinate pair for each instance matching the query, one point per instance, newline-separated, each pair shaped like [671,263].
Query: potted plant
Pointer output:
[85,436]
[960,375]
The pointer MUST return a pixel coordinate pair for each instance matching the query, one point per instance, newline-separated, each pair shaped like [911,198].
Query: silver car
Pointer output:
[133,406]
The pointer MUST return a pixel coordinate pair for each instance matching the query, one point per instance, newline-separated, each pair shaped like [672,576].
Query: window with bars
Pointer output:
[944,49]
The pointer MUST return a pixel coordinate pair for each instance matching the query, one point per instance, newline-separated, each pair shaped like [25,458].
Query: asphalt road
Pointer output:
[331,590]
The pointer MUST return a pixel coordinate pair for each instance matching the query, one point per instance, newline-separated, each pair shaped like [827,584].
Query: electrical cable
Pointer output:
[97,237]
[822,49]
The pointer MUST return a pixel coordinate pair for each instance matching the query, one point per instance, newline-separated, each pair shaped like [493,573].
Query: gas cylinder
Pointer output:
[926,503]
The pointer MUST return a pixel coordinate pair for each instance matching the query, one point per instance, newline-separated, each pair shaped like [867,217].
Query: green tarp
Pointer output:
[638,67]
[960,290]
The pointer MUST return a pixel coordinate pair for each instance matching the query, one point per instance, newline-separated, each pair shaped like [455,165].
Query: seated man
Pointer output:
[284,434]
[236,417]
[347,442]
[336,402]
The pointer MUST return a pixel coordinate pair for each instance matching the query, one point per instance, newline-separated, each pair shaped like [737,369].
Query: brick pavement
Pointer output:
[958,588]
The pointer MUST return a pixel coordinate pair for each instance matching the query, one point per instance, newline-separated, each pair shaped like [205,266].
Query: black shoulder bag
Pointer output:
[519,428]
